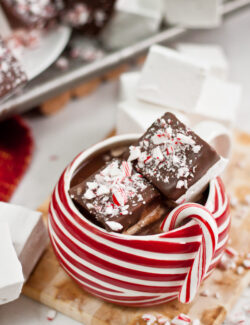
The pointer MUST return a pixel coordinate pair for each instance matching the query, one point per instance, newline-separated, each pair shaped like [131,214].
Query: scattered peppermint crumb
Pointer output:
[163,320]
[231,251]
[149,318]
[233,201]
[62,63]
[181,319]
[51,315]
[92,185]
[240,270]
[75,53]
[196,148]
[116,226]
[180,184]
[205,293]
[246,264]
[226,263]
[89,194]
[216,295]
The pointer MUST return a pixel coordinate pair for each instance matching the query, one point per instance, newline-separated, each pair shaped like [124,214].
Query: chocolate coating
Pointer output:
[12,75]
[88,16]
[171,156]
[31,13]
[116,201]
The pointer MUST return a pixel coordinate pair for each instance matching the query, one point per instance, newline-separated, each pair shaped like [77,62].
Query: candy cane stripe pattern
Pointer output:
[139,270]
[209,239]
[181,319]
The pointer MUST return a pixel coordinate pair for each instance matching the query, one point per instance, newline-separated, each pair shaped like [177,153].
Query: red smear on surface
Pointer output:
[16,147]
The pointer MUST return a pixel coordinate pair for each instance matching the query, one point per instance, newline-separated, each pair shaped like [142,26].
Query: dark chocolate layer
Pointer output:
[31,13]
[116,196]
[88,16]
[171,156]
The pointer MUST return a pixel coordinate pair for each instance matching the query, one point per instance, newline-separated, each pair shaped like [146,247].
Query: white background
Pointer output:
[86,121]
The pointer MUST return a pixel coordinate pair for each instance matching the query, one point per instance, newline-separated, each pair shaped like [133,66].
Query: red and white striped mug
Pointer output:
[139,270]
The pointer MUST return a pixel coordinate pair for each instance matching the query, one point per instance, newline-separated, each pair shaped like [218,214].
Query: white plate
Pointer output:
[35,61]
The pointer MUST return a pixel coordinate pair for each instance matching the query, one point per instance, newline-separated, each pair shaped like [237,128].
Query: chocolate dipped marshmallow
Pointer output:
[31,13]
[175,160]
[12,75]
[88,17]
[117,197]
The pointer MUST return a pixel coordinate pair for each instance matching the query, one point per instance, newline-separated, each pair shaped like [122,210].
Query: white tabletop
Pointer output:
[83,122]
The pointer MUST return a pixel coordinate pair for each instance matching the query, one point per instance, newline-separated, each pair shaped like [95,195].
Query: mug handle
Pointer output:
[217,135]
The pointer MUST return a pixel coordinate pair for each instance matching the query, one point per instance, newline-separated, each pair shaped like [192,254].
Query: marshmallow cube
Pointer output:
[127,85]
[28,233]
[171,79]
[193,13]
[219,101]
[135,116]
[212,55]
[11,275]
[132,21]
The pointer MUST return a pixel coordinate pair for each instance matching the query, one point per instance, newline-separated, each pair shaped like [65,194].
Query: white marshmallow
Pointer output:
[128,83]
[28,233]
[171,79]
[5,30]
[134,116]
[219,101]
[11,275]
[193,13]
[200,185]
[133,20]
[212,55]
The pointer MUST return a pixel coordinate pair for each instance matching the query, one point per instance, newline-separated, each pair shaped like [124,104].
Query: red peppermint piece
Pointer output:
[126,168]
[116,202]
[181,319]
[231,251]
[119,196]
[147,160]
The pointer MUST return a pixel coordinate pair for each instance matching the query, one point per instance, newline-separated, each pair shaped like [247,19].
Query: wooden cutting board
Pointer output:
[50,285]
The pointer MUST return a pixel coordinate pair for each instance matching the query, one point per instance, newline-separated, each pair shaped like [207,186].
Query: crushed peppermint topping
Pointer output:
[22,39]
[51,314]
[181,319]
[116,226]
[11,73]
[77,15]
[115,190]
[162,153]
[149,318]
[62,63]
[36,11]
